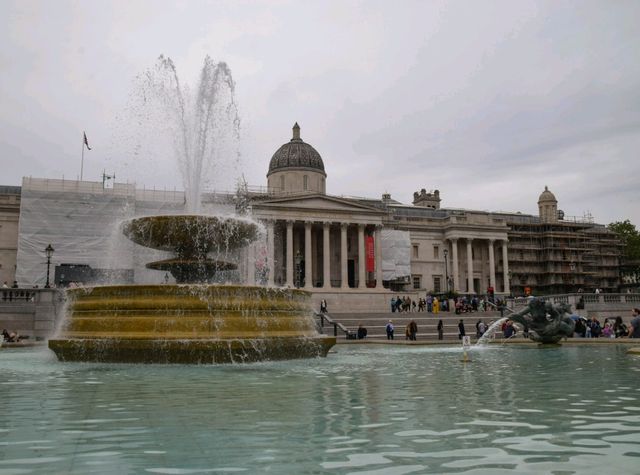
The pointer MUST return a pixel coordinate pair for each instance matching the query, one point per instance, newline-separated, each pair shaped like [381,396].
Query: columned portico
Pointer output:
[470,288]
[361,252]
[505,268]
[326,256]
[378,251]
[322,243]
[344,271]
[492,265]
[270,253]
[486,271]
[456,264]
[251,264]
[308,260]
[289,251]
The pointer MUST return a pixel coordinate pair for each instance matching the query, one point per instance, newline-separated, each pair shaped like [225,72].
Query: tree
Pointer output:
[629,236]
[630,264]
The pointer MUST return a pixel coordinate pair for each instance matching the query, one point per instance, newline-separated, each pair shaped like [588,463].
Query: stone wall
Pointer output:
[31,312]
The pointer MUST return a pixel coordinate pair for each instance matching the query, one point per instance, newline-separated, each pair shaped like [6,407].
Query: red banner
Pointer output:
[370,254]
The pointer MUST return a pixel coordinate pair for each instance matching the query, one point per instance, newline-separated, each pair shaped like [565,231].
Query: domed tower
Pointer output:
[548,207]
[296,167]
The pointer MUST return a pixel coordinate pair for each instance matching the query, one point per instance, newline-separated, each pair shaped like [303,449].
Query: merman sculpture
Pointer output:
[547,323]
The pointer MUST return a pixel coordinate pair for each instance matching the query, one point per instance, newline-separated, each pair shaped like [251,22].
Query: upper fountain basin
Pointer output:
[190,235]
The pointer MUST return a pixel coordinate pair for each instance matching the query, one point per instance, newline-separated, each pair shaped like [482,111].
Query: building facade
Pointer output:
[353,252]
[9,218]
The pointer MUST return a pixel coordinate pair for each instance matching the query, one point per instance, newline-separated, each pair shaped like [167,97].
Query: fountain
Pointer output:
[547,323]
[192,321]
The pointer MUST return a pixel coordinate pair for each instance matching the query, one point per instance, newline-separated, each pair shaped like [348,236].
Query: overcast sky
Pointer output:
[487,101]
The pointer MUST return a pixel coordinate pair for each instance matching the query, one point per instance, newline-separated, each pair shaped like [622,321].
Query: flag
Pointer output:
[86,142]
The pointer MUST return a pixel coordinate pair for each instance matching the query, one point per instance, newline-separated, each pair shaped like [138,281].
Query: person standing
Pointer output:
[389,329]
[461,331]
[619,328]
[440,330]
[634,331]
[413,330]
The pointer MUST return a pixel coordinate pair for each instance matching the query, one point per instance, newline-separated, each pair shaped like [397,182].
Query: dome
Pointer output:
[546,195]
[296,154]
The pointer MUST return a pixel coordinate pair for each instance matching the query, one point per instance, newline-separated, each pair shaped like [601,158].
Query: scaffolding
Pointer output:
[562,257]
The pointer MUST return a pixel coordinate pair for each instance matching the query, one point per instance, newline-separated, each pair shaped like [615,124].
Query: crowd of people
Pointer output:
[616,328]
[584,328]
[435,304]
[430,304]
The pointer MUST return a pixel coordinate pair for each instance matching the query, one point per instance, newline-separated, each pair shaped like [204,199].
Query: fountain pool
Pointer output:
[364,409]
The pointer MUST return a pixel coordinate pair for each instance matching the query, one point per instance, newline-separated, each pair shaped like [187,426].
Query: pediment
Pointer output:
[317,202]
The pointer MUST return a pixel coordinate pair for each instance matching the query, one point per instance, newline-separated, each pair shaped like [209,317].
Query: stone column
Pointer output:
[378,250]
[308,265]
[362,276]
[492,266]
[251,264]
[505,268]
[344,272]
[470,265]
[455,270]
[270,252]
[289,247]
[326,256]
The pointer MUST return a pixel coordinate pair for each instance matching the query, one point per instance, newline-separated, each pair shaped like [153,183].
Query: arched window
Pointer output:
[281,182]
[305,182]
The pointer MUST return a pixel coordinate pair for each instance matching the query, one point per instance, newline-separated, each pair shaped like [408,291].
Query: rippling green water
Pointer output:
[364,409]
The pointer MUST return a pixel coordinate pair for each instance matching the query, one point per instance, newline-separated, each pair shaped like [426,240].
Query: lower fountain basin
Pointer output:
[188,324]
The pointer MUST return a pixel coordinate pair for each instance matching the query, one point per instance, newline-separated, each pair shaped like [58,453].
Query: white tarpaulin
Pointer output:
[396,254]
[81,220]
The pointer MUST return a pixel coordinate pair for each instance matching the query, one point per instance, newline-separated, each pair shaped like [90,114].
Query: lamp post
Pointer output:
[48,252]
[446,269]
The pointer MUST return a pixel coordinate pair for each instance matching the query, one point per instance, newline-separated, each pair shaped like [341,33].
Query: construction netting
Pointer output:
[82,222]
[396,255]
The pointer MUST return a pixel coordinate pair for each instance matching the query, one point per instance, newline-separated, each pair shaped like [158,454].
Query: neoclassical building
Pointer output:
[346,249]
[354,252]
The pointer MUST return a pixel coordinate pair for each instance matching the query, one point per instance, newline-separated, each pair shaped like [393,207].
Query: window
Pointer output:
[415,251]
[437,284]
[436,252]
[282,183]
[417,281]
[305,182]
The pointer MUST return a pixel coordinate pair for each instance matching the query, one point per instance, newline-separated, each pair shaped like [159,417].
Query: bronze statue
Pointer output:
[546,322]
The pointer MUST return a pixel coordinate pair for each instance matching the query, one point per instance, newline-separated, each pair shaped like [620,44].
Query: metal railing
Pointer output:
[17,294]
[579,300]
[326,320]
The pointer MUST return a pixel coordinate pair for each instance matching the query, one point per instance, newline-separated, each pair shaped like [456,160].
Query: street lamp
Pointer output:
[446,269]
[48,252]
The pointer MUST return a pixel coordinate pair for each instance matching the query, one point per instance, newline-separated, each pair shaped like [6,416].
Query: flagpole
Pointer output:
[82,160]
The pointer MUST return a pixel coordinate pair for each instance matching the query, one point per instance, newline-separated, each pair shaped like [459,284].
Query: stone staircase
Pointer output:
[375,323]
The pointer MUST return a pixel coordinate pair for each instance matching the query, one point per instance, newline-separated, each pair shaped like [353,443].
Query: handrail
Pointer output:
[325,316]
[500,309]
